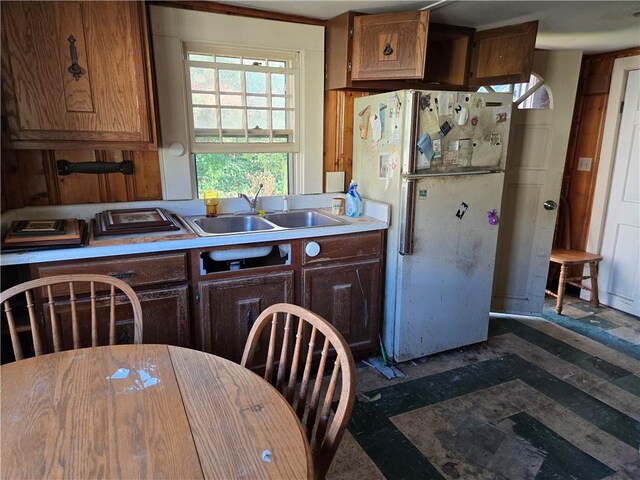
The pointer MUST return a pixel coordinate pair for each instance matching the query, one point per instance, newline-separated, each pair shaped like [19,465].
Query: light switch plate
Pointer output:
[335,182]
[584,164]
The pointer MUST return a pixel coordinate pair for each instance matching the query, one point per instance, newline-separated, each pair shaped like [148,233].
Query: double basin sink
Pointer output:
[234,223]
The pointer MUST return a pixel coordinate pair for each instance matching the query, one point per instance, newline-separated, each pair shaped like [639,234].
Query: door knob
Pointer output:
[550,205]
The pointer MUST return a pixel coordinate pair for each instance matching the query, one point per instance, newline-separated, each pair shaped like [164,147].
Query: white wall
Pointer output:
[170,27]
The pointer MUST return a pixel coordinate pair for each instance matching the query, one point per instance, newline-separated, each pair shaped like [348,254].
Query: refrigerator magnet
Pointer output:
[446,127]
[462,115]
[462,210]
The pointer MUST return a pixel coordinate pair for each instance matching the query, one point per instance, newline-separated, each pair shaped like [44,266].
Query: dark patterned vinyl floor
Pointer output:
[557,398]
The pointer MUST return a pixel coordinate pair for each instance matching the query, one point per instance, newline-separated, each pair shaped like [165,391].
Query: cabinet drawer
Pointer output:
[136,271]
[344,247]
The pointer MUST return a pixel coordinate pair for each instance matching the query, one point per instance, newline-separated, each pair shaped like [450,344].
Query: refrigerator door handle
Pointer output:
[411,162]
[407,217]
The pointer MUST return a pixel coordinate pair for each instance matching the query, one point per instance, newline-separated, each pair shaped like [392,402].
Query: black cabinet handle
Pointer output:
[387,49]
[122,275]
[65,167]
[249,318]
[74,69]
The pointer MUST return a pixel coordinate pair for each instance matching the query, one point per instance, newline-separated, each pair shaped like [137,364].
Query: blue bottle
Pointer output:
[353,203]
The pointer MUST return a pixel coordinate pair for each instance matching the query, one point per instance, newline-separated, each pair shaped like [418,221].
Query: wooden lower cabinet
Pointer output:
[348,296]
[165,319]
[341,282]
[190,302]
[160,282]
[227,308]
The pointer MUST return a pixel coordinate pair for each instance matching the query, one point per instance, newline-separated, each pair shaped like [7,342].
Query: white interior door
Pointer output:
[534,176]
[619,275]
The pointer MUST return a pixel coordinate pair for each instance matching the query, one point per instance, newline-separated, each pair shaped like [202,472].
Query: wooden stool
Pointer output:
[567,259]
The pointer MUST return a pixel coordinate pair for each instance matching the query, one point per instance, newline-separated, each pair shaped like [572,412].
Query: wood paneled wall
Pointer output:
[30,178]
[578,186]
[338,132]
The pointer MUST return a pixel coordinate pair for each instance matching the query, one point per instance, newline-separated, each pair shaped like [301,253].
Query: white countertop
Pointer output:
[377,217]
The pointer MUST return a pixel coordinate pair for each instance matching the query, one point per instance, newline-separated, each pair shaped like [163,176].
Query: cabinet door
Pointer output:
[348,296]
[77,72]
[389,46]
[503,55]
[229,307]
[165,319]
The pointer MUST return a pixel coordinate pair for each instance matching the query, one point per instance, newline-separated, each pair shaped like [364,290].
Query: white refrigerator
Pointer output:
[438,159]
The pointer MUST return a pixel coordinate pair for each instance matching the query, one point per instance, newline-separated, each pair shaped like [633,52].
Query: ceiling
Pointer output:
[591,26]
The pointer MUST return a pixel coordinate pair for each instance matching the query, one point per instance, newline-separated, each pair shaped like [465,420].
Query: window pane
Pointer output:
[539,100]
[256,101]
[231,118]
[204,118]
[253,61]
[278,83]
[502,88]
[279,119]
[200,58]
[256,82]
[233,139]
[278,102]
[203,79]
[207,139]
[277,63]
[203,99]
[233,173]
[231,100]
[258,139]
[229,81]
[226,59]
[257,119]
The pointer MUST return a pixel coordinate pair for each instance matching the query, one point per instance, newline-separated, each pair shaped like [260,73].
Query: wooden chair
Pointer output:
[323,433]
[74,284]
[567,259]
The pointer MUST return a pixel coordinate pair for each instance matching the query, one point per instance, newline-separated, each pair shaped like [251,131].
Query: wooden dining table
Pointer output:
[142,411]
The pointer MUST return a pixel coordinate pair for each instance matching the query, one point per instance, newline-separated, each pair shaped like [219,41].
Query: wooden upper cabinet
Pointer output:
[390,46]
[423,55]
[77,75]
[503,55]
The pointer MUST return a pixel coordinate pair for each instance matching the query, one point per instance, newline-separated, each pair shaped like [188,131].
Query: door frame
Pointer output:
[621,68]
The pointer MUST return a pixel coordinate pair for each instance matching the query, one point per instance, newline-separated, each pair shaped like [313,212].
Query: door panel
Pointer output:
[535,164]
[444,289]
[229,307]
[619,274]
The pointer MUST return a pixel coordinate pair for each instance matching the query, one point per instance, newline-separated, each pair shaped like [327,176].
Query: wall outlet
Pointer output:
[584,164]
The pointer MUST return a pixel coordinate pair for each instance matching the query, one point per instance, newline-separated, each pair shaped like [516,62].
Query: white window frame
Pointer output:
[291,100]
[171,27]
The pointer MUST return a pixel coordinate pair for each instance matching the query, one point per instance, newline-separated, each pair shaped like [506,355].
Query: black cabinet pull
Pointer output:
[249,317]
[387,49]
[121,275]
[74,69]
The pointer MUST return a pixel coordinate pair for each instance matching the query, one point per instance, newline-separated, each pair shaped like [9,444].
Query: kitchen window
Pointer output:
[526,96]
[243,118]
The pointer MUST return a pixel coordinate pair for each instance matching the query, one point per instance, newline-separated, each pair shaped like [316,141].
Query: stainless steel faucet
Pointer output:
[252,203]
